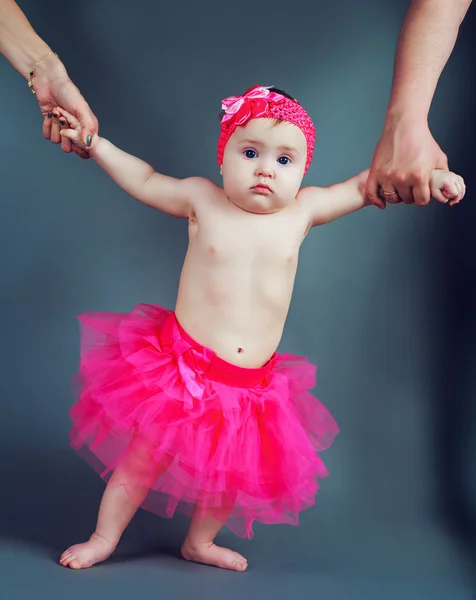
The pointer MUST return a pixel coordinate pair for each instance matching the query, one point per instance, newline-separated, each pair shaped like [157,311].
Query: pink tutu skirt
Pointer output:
[187,431]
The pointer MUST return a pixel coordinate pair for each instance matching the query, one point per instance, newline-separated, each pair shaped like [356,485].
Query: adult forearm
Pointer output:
[19,43]
[426,40]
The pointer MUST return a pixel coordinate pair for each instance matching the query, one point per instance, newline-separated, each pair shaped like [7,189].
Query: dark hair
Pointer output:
[273,89]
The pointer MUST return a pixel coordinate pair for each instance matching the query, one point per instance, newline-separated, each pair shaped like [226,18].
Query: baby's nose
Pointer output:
[265,170]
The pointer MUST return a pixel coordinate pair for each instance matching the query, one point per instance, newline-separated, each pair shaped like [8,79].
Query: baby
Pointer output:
[193,410]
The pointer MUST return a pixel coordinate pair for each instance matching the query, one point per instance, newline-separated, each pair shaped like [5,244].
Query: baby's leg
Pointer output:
[199,547]
[117,508]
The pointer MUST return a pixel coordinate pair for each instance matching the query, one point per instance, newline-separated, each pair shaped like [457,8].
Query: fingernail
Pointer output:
[49,115]
[89,139]
[55,115]
[63,122]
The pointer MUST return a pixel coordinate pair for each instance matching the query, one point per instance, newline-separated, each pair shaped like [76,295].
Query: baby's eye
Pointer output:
[284,160]
[250,153]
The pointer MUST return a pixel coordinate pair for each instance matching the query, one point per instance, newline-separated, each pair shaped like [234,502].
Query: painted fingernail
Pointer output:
[89,139]
[49,115]
[55,115]
[63,122]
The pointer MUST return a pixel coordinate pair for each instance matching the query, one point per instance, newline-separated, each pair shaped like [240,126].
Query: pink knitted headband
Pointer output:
[259,102]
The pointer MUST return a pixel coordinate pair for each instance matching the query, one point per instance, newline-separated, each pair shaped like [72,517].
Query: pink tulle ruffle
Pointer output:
[197,434]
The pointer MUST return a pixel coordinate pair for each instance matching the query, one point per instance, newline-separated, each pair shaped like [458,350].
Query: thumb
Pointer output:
[442,161]
[371,191]
[89,126]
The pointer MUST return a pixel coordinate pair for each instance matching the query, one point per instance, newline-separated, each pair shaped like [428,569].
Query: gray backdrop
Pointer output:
[384,301]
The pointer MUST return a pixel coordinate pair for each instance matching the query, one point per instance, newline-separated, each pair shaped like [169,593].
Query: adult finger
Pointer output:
[55,128]
[372,191]
[442,161]
[421,192]
[390,196]
[72,120]
[74,124]
[89,129]
[46,128]
[66,143]
[403,188]
[81,153]
[388,190]
[88,122]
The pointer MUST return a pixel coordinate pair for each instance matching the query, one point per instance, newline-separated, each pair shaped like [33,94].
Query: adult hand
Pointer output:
[55,90]
[403,161]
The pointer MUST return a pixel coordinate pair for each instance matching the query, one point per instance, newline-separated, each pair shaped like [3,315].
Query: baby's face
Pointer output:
[267,154]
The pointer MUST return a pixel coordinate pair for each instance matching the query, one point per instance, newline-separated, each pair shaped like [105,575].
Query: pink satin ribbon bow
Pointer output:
[253,104]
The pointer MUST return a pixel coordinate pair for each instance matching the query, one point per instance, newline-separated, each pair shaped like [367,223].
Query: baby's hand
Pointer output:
[447,187]
[71,129]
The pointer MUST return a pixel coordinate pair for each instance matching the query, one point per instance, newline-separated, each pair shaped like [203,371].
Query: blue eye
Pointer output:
[250,153]
[284,158]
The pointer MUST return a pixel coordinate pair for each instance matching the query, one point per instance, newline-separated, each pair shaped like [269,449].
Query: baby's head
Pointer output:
[266,138]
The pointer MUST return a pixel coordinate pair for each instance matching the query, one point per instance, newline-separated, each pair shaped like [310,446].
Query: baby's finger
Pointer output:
[450,189]
[439,196]
[454,201]
[66,143]
[75,124]
[461,191]
[74,136]
[46,128]
[80,152]
[72,120]
[71,134]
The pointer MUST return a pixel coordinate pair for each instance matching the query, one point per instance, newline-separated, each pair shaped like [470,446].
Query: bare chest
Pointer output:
[255,239]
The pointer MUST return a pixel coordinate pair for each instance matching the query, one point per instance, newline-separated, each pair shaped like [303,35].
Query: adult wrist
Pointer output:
[48,68]
[410,107]
[407,116]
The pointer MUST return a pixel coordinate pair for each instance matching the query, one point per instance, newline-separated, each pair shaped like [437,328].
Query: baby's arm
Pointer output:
[136,177]
[335,201]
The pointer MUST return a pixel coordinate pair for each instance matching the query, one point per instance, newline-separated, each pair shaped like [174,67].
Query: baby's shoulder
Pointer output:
[202,191]
[310,197]
[200,186]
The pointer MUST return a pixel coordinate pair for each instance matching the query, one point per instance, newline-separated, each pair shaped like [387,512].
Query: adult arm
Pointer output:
[407,153]
[24,48]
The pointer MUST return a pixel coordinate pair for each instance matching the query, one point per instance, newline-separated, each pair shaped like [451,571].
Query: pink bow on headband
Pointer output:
[254,103]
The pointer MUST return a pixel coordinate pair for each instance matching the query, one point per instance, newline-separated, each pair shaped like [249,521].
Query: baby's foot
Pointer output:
[82,556]
[211,554]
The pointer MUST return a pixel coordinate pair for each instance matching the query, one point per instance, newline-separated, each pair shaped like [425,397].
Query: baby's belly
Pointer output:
[241,318]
